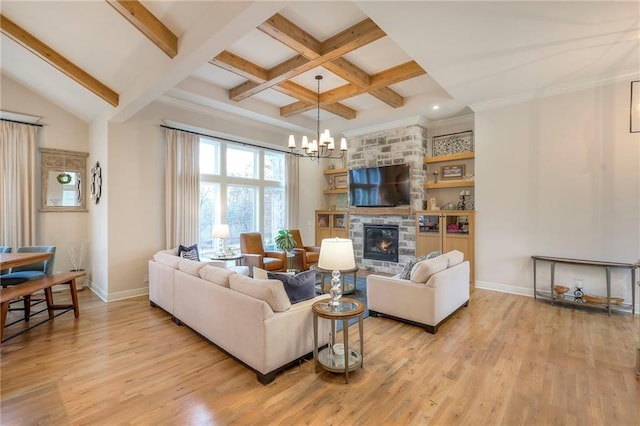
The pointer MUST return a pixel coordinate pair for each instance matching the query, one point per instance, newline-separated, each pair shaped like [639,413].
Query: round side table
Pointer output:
[328,358]
[237,258]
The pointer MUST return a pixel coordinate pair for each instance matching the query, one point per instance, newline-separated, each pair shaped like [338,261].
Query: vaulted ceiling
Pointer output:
[379,60]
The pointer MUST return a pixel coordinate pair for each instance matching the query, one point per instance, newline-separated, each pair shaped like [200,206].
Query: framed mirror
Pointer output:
[64,184]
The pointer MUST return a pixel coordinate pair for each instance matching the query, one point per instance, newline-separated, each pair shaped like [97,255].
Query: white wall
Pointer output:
[558,176]
[98,211]
[61,130]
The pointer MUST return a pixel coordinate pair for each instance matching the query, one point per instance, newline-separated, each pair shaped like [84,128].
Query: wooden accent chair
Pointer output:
[252,249]
[308,254]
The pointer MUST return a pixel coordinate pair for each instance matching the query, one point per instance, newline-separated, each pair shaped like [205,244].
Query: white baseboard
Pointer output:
[111,297]
[504,288]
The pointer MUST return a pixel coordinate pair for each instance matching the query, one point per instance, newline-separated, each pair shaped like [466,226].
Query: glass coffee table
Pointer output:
[338,358]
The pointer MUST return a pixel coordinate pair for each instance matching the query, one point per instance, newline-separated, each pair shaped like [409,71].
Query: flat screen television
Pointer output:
[384,186]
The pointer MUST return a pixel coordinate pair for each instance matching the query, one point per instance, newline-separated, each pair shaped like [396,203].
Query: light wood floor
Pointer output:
[503,360]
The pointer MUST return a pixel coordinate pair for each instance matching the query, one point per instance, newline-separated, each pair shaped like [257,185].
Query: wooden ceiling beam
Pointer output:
[289,34]
[378,81]
[256,74]
[388,96]
[348,40]
[29,42]
[134,12]
[312,52]
[240,66]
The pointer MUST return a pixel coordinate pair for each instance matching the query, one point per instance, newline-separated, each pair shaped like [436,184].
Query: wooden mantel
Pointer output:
[381,211]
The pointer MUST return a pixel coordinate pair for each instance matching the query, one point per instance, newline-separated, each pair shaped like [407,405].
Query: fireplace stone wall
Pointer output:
[408,145]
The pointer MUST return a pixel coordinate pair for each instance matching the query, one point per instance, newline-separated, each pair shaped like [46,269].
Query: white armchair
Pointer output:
[425,304]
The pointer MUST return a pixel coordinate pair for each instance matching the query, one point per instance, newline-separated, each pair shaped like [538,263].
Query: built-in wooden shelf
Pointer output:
[451,157]
[451,184]
[336,191]
[381,211]
[335,171]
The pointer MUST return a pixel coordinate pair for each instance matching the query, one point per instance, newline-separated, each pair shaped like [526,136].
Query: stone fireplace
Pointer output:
[380,242]
[404,144]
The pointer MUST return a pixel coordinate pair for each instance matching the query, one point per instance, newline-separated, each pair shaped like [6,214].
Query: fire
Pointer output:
[384,245]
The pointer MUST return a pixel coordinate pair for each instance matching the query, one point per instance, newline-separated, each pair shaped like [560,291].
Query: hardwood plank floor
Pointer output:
[505,359]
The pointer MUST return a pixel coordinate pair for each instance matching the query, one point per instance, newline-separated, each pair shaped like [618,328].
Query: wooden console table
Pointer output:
[593,263]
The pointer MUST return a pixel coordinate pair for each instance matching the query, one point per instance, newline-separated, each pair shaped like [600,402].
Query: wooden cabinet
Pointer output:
[446,230]
[331,224]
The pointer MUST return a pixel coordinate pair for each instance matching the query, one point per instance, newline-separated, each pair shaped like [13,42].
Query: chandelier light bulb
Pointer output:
[305,142]
[343,144]
[292,141]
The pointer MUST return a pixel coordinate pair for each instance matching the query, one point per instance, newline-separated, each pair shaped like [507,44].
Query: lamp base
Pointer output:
[336,289]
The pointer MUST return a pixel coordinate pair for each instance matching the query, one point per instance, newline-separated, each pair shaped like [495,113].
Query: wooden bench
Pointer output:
[27,288]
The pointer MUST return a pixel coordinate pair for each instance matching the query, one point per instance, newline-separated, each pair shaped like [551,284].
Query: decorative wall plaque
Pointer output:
[454,143]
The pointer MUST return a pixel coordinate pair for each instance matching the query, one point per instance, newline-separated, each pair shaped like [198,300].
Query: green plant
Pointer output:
[285,241]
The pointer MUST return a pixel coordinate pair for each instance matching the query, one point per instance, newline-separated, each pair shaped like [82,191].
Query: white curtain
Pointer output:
[17,190]
[182,188]
[292,191]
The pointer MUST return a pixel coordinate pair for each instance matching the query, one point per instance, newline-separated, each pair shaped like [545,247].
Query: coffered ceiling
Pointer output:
[380,60]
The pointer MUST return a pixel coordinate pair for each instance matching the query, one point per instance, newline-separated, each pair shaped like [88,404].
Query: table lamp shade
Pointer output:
[336,254]
[221,231]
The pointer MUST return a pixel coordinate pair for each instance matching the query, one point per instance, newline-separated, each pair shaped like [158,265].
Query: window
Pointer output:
[243,187]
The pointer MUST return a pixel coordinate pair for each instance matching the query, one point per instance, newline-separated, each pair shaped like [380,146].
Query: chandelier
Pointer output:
[324,145]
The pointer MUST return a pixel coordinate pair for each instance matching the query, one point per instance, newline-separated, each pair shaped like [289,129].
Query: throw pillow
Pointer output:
[299,287]
[190,252]
[423,270]
[405,274]
[270,291]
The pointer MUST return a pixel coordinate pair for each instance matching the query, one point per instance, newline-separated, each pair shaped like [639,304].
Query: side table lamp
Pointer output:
[221,231]
[336,254]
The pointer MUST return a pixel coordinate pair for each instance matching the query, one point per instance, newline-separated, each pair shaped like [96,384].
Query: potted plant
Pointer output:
[285,242]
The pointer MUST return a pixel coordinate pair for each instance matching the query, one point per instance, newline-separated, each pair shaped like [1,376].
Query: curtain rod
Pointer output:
[22,122]
[227,140]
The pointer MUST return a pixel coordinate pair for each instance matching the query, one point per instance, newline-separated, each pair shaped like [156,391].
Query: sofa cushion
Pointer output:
[190,267]
[299,287]
[190,252]
[405,274]
[260,273]
[271,291]
[454,257]
[216,275]
[168,259]
[423,270]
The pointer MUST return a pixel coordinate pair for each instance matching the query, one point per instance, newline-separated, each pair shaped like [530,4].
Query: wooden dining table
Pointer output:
[11,260]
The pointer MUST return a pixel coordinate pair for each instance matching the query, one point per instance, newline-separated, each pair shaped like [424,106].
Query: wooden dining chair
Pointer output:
[29,272]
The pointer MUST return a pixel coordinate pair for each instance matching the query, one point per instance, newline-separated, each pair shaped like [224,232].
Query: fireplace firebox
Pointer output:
[381,242]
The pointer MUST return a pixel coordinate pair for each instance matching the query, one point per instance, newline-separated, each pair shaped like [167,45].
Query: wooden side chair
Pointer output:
[308,254]
[252,249]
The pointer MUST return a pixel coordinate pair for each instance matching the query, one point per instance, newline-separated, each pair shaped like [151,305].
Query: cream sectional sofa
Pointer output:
[250,319]
[437,288]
